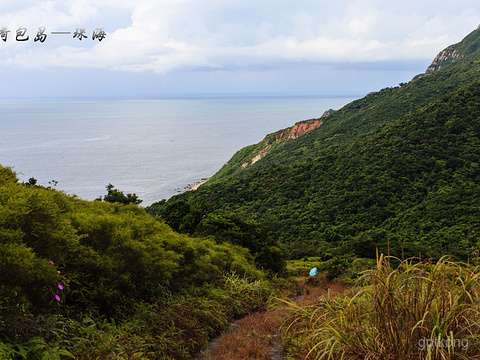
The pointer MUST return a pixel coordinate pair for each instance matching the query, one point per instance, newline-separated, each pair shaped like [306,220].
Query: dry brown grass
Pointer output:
[313,289]
[252,338]
[257,336]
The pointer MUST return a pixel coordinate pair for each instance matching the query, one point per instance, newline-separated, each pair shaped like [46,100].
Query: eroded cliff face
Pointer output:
[290,133]
[260,155]
[298,129]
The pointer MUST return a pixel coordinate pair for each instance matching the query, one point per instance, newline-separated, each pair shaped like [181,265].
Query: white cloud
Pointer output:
[171,35]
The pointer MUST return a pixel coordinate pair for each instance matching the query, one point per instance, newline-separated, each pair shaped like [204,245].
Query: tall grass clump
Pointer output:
[417,310]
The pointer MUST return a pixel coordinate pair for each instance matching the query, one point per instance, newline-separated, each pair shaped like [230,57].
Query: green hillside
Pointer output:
[364,116]
[95,280]
[397,170]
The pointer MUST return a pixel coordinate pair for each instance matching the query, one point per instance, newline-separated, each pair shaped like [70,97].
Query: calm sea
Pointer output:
[153,148]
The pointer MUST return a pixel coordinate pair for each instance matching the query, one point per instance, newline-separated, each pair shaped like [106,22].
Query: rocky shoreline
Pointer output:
[198,184]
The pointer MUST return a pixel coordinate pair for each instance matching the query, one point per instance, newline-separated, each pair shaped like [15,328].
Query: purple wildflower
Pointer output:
[60,286]
[51,262]
[203,217]
[57,298]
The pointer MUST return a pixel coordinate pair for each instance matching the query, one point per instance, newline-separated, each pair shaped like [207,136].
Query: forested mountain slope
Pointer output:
[397,169]
[364,116]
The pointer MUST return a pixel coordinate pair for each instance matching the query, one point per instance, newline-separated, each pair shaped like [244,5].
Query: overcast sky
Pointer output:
[158,47]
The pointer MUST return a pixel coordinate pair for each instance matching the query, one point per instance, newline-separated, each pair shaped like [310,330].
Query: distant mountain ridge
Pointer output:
[397,170]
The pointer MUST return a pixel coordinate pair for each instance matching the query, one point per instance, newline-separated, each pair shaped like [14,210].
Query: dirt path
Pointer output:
[276,351]
[258,336]
[255,336]
[209,352]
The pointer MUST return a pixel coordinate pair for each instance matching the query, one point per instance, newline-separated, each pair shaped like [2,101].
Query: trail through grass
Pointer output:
[258,336]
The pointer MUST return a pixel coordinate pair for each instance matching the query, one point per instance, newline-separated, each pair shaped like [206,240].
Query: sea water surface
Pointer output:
[153,148]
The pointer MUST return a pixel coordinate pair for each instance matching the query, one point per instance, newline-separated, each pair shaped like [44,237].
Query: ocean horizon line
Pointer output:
[151,147]
[187,96]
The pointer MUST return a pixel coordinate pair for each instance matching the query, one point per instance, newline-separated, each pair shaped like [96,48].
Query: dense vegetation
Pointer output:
[416,310]
[383,172]
[75,273]
[224,227]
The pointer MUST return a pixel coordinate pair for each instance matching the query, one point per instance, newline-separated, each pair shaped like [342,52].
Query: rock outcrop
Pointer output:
[449,54]
[452,54]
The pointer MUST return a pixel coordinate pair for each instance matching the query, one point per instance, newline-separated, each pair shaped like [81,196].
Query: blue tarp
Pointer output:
[313,272]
